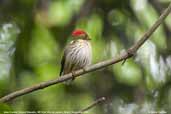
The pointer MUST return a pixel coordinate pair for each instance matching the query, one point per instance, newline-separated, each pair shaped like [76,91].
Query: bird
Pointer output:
[77,53]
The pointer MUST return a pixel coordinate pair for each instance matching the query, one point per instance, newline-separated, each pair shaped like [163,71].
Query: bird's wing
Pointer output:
[62,65]
[66,50]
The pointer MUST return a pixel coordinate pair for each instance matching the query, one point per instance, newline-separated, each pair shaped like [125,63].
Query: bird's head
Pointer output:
[80,34]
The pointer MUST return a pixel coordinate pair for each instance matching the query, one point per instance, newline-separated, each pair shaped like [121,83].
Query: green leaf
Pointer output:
[4,108]
[8,35]
[129,73]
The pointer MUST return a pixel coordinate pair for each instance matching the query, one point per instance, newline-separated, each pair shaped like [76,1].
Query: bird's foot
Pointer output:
[85,69]
[73,75]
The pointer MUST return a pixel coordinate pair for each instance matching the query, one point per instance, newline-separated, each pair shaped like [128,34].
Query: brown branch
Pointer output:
[129,53]
[98,101]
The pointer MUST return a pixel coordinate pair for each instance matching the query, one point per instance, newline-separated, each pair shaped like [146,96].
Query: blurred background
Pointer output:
[33,34]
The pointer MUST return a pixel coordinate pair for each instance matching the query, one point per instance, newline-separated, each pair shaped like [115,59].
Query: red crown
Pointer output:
[78,32]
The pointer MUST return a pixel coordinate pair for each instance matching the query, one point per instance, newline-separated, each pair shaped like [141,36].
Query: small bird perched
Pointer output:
[77,54]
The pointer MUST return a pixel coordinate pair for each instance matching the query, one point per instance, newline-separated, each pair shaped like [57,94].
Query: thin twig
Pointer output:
[98,101]
[129,53]
[145,37]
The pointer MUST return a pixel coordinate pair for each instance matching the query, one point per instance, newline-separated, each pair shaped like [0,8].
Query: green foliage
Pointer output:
[43,41]
[4,108]
[129,73]
[8,33]
[140,85]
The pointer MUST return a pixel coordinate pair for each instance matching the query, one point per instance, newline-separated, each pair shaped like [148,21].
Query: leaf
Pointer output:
[8,35]
[4,108]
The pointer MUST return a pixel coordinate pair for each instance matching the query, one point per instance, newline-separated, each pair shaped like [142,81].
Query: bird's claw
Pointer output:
[84,69]
[73,75]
